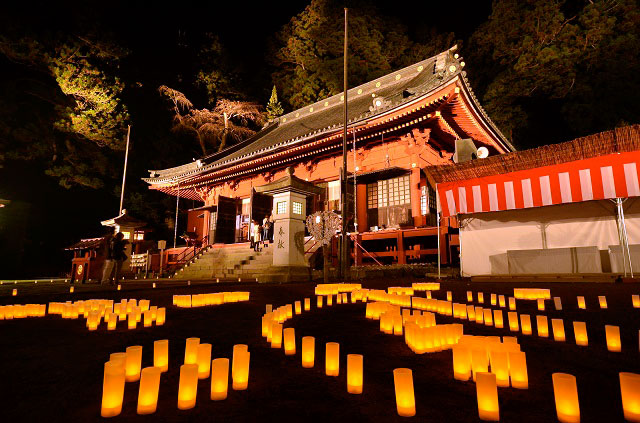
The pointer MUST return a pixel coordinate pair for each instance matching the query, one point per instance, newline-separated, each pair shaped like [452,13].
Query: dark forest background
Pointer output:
[74,75]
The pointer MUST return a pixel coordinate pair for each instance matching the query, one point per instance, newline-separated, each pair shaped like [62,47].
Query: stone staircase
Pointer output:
[229,262]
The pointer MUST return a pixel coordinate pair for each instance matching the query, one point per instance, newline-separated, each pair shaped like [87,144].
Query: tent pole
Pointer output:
[175,224]
[625,236]
[618,203]
[438,226]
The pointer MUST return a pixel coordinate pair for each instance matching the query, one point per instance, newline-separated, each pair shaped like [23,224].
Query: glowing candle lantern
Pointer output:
[580,333]
[461,362]
[565,392]
[238,350]
[518,369]
[469,296]
[118,359]
[500,367]
[558,330]
[132,321]
[630,392]
[269,308]
[332,359]
[188,387]
[513,321]
[240,370]
[488,317]
[161,354]
[298,307]
[148,392]
[449,296]
[613,338]
[397,324]
[498,320]
[479,311]
[338,299]
[319,301]
[487,394]
[161,316]
[112,389]
[480,297]
[329,300]
[501,301]
[512,303]
[581,303]
[204,360]
[354,373]
[541,304]
[542,325]
[289,341]
[147,319]
[405,398]
[479,361]
[471,312]
[219,379]
[119,287]
[133,363]
[191,351]
[276,335]
[602,300]
[71,289]
[113,320]
[494,299]
[153,285]
[308,351]
[525,323]
[307,304]
[557,302]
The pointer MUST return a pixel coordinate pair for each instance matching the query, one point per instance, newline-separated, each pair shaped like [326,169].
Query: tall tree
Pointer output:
[307,52]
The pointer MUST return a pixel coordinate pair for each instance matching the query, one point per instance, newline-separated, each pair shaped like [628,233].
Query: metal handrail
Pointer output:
[180,262]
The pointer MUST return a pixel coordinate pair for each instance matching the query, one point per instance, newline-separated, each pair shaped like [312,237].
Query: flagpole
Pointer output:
[343,244]
[124,174]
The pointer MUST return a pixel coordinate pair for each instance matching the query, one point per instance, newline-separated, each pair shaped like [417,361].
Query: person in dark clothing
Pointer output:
[115,258]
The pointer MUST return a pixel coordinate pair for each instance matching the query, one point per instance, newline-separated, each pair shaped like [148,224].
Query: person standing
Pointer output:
[256,236]
[266,228]
[115,258]
[107,269]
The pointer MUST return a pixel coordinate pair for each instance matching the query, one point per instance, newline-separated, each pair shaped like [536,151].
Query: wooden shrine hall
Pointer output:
[398,124]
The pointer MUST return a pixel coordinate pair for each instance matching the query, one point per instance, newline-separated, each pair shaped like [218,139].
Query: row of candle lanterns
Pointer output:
[127,367]
[335,288]
[210,299]
[19,311]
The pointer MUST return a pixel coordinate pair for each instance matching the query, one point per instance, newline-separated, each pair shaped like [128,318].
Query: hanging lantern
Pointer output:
[289,341]
[240,370]
[405,398]
[580,333]
[112,389]
[498,320]
[581,303]
[161,354]
[630,392]
[219,378]
[188,387]
[542,325]
[354,373]
[518,369]
[613,338]
[565,392]
[133,363]
[499,360]
[487,394]
[461,362]
[513,321]
[602,300]
[204,360]
[191,351]
[307,304]
[525,323]
[558,330]
[308,351]
[148,391]
[332,359]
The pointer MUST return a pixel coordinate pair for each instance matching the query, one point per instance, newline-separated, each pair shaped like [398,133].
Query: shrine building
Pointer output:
[398,125]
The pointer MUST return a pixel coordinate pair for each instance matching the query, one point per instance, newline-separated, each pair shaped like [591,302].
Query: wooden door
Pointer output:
[225,220]
[261,206]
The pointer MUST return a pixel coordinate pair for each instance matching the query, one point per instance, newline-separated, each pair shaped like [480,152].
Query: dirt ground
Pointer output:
[51,369]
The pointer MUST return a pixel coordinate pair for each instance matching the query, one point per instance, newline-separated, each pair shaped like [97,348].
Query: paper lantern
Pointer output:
[219,378]
[238,349]
[354,373]
[119,287]
[132,321]
[112,389]
[498,320]
[580,333]
[307,304]
[479,312]
[513,321]
[613,338]
[276,335]
[148,391]
[308,351]
[635,301]
[161,354]
[153,285]
[558,330]
[541,304]
[204,360]
[289,337]
[471,312]
[500,367]
[14,292]
[405,398]
[397,324]
[319,301]
[565,392]
[191,351]
[113,320]
[269,308]
[332,359]
[557,302]
[630,392]
[298,307]
[525,324]
[602,300]
[479,360]
[469,296]
[488,317]
[518,369]
[487,394]
[188,386]
[147,319]
[240,370]
[581,303]
[461,362]
[71,289]
[480,297]
[133,363]
[542,325]
[118,359]
[161,315]
[449,296]
[512,303]
[329,300]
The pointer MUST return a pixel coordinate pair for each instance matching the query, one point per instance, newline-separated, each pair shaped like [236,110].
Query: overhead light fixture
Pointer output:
[483,152]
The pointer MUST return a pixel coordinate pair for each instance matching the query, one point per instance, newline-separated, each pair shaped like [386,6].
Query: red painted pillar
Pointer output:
[402,258]
[414,182]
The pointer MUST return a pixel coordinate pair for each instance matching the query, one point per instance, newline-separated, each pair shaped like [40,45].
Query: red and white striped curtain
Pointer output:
[598,178]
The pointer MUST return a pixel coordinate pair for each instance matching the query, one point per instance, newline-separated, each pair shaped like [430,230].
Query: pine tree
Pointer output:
[274,108]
